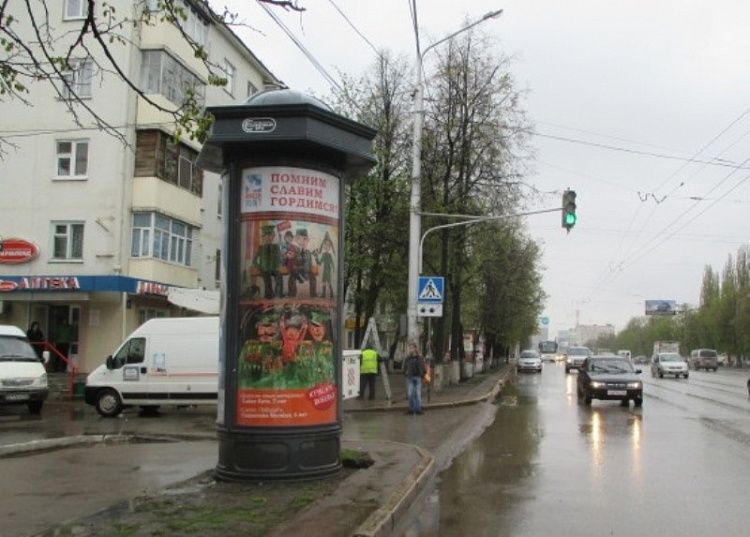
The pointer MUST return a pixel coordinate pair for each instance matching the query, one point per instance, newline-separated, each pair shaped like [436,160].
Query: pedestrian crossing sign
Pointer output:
[431,290]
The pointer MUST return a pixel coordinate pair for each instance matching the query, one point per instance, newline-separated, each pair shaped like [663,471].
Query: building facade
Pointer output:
[94,228]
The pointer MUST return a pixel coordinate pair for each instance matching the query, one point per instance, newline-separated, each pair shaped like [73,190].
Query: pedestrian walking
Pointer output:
[414,370]
[368,372]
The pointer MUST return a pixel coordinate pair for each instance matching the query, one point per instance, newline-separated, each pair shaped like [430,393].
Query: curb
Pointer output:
[63,442]
[492,393]
[49,444]
[383,520]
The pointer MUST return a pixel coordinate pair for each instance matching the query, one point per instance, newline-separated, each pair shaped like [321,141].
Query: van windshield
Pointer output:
[16,349]
[708,354]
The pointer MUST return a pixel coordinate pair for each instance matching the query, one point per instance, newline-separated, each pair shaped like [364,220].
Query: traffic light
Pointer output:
[569,209]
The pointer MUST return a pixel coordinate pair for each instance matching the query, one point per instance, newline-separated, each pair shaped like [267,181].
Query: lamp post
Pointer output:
[416,174]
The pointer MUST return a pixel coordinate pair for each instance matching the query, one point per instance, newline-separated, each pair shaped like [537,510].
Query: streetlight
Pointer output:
[416,173]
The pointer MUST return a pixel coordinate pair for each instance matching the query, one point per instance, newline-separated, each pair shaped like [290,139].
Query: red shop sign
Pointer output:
[17,251]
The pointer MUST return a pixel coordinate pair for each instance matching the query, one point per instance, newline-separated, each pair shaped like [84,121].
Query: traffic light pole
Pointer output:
[473,220]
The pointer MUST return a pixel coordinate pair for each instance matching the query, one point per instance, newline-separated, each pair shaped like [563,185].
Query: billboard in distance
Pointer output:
[661,307]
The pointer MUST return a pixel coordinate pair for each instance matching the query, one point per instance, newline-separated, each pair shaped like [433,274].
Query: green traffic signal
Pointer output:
[569,217]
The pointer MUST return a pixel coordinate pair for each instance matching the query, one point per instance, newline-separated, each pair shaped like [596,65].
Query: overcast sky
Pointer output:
[658,82]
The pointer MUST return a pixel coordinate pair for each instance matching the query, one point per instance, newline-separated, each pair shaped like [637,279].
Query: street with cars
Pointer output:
[551,464]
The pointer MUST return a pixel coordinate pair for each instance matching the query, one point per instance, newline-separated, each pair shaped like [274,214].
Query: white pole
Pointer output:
[415,201]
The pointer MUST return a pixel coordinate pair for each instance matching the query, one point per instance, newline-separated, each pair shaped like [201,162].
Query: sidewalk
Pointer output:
[364,503]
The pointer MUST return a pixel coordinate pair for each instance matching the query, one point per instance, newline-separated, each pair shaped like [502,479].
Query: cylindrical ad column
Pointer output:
[289,256]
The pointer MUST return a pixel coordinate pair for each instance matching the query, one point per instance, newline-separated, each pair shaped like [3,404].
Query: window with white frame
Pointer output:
[162,74]
[67,241]
[160,237]
[228,71]
[195,26]
[72,158]
[77,80]
[74,10]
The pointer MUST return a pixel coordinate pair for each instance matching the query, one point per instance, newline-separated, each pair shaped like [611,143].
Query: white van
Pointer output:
[23,379]
[165,361]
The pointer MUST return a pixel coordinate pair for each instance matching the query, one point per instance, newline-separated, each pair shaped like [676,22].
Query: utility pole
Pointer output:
[415,200]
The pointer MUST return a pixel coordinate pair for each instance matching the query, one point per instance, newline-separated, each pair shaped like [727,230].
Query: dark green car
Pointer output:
[609,378]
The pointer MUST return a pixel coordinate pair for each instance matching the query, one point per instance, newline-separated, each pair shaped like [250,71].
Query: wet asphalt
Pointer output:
[680,465]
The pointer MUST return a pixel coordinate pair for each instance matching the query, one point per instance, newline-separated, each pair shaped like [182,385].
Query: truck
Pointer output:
[666,346]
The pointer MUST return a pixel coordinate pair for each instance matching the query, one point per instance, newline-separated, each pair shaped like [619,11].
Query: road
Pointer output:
[680,465]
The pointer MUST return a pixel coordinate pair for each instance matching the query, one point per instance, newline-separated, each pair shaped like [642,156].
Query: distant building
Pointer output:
[586,333]
[115,225]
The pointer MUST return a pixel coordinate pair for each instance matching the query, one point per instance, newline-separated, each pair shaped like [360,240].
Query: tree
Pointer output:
[377,205]
[474,133]
[39,51]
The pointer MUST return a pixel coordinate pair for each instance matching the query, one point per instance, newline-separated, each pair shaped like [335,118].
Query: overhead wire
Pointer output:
[351,24]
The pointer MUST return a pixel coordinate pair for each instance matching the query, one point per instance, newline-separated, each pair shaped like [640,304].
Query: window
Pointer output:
[67,241]
[132,352]
[228,71]
[195,26]
[160,237]
[77,80]
[251,89]
[164,75]
[74,10]
[72,158]
[217,266]
[157,155]
[144,314]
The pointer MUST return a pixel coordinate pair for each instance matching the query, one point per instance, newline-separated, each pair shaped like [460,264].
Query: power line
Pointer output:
[313,60]
[373,47]
[714,162]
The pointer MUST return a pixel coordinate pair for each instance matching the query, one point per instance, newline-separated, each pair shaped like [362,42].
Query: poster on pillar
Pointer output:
[288,275]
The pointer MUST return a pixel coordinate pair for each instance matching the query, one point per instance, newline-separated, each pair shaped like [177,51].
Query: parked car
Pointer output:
[641,359]
[165,361]
[575,357]
[23,379]
[707,359]
[609,378]
[668,363]
[529,361]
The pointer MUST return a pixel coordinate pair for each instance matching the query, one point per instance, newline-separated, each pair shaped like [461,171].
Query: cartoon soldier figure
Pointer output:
[304,265]
[267,327]
[324,257]
[318,325]
[293,330]
[268,262]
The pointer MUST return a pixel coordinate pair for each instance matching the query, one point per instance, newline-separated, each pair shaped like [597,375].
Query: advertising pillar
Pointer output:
[286,158]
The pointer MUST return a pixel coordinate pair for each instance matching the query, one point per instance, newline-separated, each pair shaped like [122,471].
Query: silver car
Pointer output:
[575,357]
[668,363]
[529,361]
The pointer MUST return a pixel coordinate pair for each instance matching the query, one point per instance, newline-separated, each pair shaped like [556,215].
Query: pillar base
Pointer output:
[263,455]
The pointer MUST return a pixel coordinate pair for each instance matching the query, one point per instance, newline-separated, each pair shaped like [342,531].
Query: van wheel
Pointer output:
[35,407]
[108,403]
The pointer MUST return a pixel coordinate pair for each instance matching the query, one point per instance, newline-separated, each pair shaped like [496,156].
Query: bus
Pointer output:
[548,350]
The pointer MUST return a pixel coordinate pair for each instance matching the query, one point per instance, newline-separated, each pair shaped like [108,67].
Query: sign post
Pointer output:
[285,157]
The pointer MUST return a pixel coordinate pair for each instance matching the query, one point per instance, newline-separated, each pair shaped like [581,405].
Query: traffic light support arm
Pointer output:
[474,220]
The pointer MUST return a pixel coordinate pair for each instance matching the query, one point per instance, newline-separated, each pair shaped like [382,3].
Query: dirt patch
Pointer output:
[204,507]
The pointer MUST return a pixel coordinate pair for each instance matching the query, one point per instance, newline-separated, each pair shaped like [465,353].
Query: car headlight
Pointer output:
[41,380]
[634,385]
[597,384]
[569,360]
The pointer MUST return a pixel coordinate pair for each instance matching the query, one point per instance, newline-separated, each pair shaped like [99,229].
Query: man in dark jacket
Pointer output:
[414,370]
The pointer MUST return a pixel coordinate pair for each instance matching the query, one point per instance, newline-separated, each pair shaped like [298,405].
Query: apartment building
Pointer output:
[95,229]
